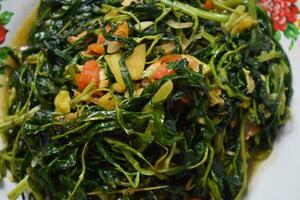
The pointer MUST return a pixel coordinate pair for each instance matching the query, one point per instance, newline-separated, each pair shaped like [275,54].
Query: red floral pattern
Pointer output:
[3,33]
[281,11]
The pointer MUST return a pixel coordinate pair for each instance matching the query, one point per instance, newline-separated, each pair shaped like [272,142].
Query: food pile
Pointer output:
[152,99]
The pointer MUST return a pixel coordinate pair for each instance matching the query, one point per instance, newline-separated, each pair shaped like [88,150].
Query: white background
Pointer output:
[277,178]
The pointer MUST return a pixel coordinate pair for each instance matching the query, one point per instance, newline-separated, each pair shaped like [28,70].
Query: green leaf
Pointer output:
[3,55]
[277,35]
[292,44]
[5,17]
[291,32]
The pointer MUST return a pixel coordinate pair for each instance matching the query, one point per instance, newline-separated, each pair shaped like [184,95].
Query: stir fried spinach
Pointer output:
[213,90]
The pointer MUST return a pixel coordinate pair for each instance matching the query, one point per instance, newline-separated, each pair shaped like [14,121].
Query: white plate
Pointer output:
[277,178]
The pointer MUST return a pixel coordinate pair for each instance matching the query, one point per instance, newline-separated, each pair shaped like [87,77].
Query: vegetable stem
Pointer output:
[208,167]
[243,162]
[86,93]
[14,151]
[75,130]
[192,11]
[208,36]
[269,56]
[19,119]
[231,3]
[252,8]
[19,189]
[130,190]
[81,176]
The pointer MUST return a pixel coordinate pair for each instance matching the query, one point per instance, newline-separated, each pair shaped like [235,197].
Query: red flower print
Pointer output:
[281,11]
[3,33]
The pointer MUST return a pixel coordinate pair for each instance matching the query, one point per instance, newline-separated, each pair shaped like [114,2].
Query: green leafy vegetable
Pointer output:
[215,90]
